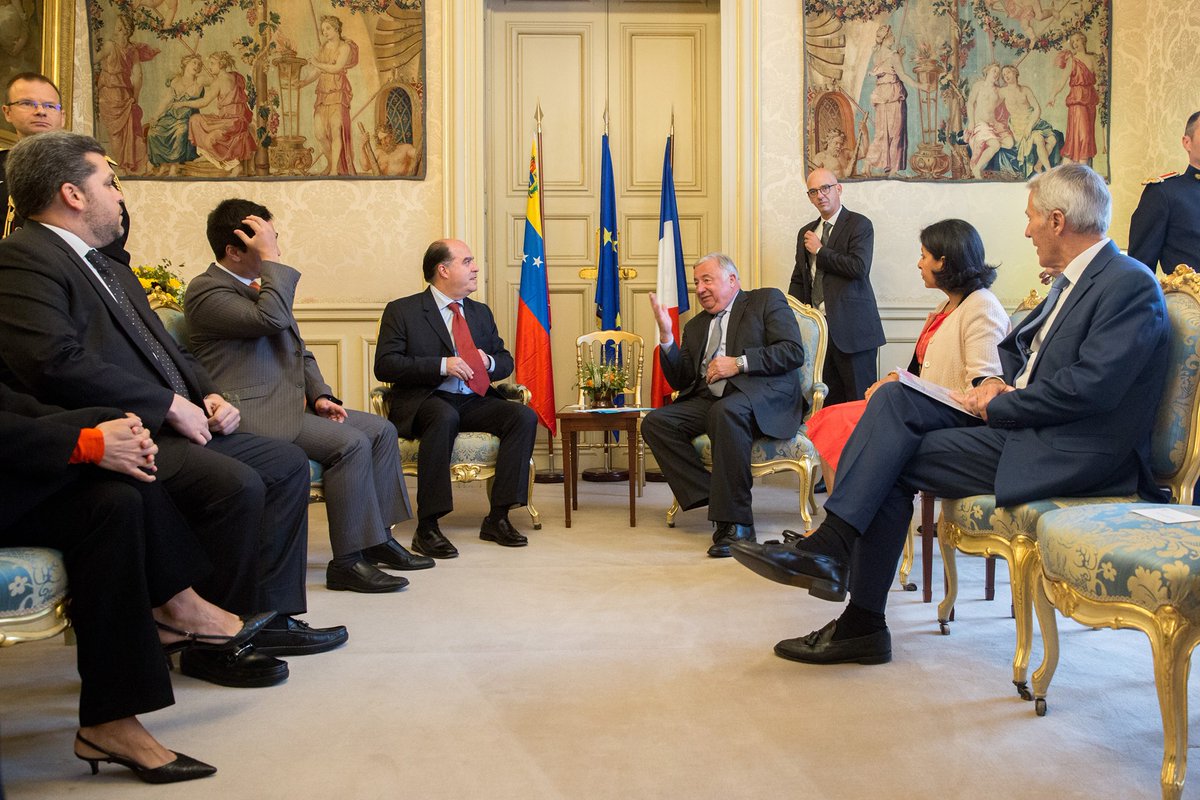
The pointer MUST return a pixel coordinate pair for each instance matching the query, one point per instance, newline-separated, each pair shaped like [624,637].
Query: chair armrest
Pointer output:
[819,392]
[379,401]
[509,391]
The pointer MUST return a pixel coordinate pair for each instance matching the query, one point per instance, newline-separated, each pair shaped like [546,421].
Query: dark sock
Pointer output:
[426,523]
[348,560]
[497,514]
[834,537]
[279,623]
[857,621]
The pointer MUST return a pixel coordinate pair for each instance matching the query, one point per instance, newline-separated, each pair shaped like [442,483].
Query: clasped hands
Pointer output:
[128,448]
[459,368]
[976,399]
[199,425]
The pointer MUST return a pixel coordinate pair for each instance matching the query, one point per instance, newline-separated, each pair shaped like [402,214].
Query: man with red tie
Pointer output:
[441,352]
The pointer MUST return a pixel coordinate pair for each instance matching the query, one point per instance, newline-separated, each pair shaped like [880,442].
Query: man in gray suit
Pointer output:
[241,326]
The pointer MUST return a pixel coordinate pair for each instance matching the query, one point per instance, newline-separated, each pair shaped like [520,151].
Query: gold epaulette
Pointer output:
[116,179]
[1159,178]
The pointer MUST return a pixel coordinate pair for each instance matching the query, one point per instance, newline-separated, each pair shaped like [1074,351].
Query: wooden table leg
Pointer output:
[574,469]
[631,438]
[568,472]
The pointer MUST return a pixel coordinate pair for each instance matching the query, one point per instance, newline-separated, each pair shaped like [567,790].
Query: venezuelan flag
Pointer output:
[534,365]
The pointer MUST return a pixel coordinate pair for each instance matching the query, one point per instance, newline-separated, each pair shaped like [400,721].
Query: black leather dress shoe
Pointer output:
[819,647]
[430,542]
[299,639]
[726,534]
[243,668]
[502,532]
[824,576]
[392,555]
[362,576]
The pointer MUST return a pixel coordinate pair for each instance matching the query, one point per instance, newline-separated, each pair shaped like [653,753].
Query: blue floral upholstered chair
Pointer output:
[797,454]
[33,594]
[473,457]
[1107,565]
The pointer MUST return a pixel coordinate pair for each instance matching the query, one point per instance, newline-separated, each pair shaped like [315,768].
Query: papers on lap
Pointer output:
[929,389]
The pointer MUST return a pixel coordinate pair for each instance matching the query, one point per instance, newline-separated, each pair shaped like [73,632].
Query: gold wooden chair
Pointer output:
[473,457]
[1104,565]
[33,595]
[797,454]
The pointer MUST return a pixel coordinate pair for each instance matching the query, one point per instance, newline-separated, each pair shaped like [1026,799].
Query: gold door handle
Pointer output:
[590,273]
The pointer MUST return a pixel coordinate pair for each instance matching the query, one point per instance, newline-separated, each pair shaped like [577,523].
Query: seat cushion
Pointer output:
[32,580]
[316,472]
[978,515]
[474,447]
[764,450]
[1108,553]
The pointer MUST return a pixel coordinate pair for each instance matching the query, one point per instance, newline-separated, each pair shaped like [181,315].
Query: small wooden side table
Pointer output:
[574,421]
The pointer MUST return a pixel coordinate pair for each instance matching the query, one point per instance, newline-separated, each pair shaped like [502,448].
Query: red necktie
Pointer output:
[254,284]
[468,352]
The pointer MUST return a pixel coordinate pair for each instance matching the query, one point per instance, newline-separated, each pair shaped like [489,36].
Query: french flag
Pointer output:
[672,279]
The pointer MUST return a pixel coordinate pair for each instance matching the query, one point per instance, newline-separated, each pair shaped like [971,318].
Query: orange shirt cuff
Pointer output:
[90,447]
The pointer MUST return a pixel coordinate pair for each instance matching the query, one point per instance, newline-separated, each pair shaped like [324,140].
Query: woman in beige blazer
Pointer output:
[958,342]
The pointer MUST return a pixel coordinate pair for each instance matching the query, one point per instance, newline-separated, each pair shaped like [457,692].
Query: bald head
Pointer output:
[824,192]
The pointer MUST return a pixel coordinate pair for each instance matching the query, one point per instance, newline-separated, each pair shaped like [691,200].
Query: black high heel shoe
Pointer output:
[183,768]
[216,641]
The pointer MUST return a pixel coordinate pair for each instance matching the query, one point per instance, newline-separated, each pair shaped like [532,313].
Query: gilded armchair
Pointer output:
[33,594]
[797,454]
[1106,565]
[473,457]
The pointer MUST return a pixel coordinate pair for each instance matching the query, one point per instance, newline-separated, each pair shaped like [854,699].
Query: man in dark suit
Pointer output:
[241,327]
[1165,227]
[833,273]
[76,330]
[735,370]
[1070,415]
[441,352]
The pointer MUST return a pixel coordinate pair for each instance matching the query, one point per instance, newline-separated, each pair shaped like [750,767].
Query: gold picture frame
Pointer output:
[48,30]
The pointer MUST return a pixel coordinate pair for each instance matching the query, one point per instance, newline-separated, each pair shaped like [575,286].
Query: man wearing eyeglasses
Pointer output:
[833,273]
[33,105]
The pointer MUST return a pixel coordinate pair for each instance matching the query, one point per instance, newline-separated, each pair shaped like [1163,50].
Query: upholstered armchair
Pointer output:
[1108,565]
[473,457]
[797,454]
[33,594]
[175,322]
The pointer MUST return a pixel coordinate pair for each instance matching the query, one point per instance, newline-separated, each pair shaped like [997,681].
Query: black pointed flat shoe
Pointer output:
[215,641]
[183,768]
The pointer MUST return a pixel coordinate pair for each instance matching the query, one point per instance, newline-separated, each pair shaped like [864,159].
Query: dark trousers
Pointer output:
[729,423]
[905,443]
[441,417]
[127,550]
[246,498]
[848,375]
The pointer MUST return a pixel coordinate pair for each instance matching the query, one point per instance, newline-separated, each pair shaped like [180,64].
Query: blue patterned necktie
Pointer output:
[105,271]
[1024,339]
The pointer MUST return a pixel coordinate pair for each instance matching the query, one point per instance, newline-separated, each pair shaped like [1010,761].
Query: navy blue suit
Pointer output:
[855,331]
[1080,428]
[1165,227]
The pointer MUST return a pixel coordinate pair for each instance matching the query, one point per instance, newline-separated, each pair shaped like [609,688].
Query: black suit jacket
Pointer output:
[762,327]
[413,340]
[844,264]
[64,340]
[36,442]
[1165,226]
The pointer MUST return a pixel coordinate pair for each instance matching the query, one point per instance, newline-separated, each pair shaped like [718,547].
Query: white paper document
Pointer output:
[1169,515]
[930,389]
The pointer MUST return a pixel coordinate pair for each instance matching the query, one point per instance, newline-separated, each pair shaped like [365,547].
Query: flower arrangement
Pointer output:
[602,380]
[161,277]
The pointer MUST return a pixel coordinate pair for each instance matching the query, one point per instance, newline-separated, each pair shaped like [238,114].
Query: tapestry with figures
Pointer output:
[956,90]
[260,88]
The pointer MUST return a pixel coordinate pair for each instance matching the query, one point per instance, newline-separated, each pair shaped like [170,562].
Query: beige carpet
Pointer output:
[610,662]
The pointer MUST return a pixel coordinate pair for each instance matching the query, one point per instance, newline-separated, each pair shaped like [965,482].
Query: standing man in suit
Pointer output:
[1165,227]
[736,373]
[242,329]
[441,352]
[833,274]
[76,330]
[1070,415]
[32,105]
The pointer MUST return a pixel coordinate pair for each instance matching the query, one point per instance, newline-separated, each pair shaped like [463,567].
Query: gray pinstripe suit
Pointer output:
[251,345]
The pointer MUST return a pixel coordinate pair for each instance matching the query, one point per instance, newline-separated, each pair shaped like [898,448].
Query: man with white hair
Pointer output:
[1070,415]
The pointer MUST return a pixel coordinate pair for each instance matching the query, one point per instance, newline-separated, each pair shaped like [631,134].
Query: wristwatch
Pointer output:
[742,364]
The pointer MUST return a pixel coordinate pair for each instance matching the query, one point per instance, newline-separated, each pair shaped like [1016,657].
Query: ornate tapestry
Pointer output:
[260,88]
[956,90]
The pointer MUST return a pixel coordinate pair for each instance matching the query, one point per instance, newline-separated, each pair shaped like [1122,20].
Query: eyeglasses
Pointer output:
[34,105]
[822,190]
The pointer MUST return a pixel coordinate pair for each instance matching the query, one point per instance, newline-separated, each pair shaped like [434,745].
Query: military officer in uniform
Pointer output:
[1165,228]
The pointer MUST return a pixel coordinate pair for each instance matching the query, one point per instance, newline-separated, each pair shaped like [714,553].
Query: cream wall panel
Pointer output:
[570,239]
[342,338]
[640,239]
